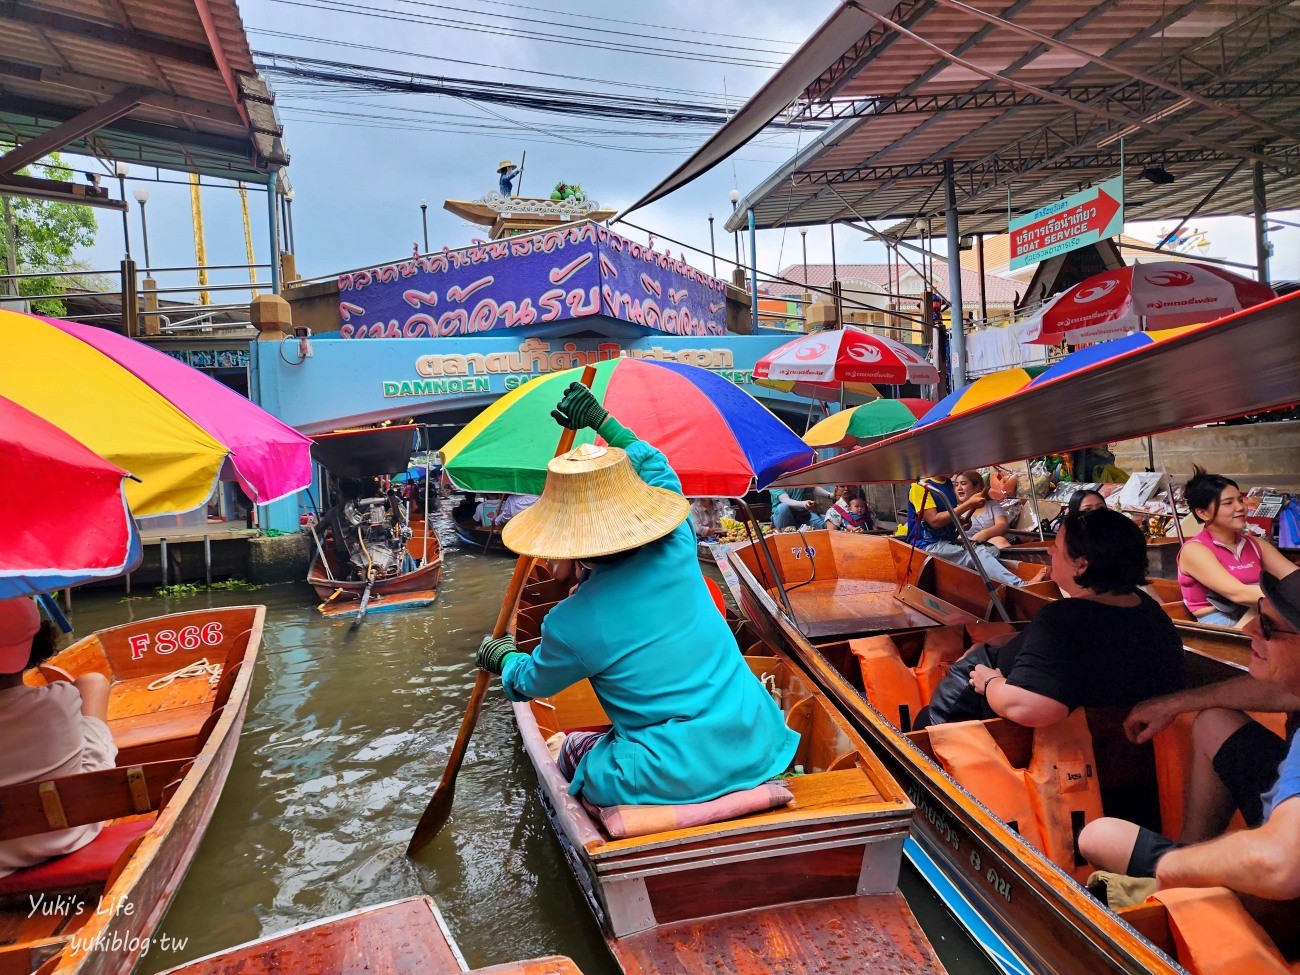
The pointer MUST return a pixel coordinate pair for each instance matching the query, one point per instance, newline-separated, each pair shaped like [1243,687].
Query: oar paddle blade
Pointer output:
[439,809]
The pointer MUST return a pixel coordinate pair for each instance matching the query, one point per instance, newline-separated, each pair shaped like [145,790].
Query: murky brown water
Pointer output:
[347,732]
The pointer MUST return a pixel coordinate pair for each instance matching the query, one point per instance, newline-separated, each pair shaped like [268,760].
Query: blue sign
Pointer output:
[552,276]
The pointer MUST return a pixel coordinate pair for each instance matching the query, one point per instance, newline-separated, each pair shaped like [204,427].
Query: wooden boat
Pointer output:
[844,588]
[406,937]
[377,573]
[176,737]
[404,590]
[474,535]
[811,887]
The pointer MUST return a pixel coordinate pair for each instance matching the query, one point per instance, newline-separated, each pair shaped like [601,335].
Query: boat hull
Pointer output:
[417,588]
[1043,916]
[474,535]
[110,943]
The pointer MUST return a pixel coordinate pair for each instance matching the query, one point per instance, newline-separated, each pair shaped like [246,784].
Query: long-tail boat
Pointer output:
[406,937]
[180,688]
[808,887]
[850,609]
[469,531]
[367,555]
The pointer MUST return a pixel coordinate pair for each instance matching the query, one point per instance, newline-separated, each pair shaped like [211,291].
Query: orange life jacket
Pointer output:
[891,685]
[1215,936]
[1048,802]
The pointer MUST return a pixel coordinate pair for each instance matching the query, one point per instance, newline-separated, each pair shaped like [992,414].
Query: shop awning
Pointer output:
[365,453]
[1242,364]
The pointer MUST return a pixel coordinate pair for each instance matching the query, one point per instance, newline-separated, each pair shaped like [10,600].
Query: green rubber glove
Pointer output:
[579,409]
[492,652]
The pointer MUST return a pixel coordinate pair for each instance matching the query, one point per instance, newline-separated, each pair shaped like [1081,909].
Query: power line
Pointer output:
[378,13]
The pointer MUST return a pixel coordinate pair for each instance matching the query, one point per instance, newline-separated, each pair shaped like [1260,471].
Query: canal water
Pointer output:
[347,733]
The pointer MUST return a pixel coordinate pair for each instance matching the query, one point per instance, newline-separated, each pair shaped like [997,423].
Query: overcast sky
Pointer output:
[362,162]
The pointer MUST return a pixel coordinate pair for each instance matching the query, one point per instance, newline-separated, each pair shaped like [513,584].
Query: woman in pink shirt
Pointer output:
[47,732]
[1219,569]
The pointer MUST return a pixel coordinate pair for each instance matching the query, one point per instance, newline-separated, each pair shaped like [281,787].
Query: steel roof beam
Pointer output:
[1178,90]
[133,40]
[80,125]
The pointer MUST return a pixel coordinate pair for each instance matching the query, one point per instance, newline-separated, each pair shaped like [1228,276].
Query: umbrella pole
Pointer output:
[1033,497]
[771,563]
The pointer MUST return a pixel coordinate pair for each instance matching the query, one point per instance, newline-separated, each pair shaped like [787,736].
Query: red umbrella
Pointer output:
[826,360]
[64,507]
[1143,297]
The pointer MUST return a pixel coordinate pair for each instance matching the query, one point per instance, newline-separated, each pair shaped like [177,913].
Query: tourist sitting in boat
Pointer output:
[1219,569]
[1111,645]
[1263,860]
[931,528]
[793,508]
[690,720]
[850,512]
[513,504]
[51,731]
[987,524]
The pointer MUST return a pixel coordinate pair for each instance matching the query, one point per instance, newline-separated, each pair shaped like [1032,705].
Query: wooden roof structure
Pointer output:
[1028,101]
[167,83]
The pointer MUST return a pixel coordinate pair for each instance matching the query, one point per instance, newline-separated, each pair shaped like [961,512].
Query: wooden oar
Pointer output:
[438,811]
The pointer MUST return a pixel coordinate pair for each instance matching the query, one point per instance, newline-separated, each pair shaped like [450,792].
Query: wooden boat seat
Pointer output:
[90,866]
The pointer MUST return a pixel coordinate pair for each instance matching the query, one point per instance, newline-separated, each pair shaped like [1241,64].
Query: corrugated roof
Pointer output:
[1033,98]
[203,108]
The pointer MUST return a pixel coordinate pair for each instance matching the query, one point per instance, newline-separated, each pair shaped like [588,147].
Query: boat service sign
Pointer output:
[1076,221]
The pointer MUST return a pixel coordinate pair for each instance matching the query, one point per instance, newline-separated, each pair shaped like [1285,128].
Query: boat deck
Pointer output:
[834,936]
[840,607]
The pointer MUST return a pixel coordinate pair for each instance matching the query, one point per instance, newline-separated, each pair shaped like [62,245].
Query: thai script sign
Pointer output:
[443,373]
[569,273]
[1076,221]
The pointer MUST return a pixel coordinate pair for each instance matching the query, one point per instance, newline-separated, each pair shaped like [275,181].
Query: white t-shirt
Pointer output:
[46,736]
[986,516]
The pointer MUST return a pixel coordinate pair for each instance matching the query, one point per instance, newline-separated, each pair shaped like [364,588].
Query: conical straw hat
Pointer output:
[593,504]
[505,164]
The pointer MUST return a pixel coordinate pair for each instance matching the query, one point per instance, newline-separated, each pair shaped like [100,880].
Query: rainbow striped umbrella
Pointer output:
[986,389]
[720,440]
[171,426]
[1093,354]
[870,421]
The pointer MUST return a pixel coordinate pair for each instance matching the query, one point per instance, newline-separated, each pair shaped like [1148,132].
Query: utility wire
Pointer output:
[381,13]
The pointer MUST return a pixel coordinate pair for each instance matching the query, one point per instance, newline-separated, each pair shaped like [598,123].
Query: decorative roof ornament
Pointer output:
[571,208]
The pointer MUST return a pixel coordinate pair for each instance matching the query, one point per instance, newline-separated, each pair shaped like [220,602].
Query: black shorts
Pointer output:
[1247,763]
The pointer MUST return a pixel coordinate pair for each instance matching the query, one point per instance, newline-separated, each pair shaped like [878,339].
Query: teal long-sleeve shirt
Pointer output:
[690,720]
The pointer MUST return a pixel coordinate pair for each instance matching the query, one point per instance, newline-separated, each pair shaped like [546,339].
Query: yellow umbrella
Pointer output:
[98,402]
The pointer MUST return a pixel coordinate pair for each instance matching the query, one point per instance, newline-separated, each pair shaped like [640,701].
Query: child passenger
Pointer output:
[46,732]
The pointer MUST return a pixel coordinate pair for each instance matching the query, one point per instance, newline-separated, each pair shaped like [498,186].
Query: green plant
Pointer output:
[194,588]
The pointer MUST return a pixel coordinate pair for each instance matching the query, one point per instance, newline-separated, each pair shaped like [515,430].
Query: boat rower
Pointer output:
[690,720]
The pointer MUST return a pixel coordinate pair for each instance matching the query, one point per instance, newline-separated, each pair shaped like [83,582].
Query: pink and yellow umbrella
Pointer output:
[170,426]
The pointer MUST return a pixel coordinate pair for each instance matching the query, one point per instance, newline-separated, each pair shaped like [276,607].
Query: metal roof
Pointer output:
[1031,97]
[1233,367]
[166,83]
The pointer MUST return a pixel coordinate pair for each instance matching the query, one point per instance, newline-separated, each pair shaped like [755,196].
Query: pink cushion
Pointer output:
[87,867]
[621,822]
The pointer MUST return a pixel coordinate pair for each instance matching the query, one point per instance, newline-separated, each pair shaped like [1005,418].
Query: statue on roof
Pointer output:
[508,173]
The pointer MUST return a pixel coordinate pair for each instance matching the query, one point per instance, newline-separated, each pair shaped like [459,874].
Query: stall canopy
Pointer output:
[1239,365]
[1034,98]
[365,453]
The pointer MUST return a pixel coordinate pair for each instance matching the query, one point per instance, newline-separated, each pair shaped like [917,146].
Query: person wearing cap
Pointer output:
[1264,860]
[508,173]
[48,732]
[690,721]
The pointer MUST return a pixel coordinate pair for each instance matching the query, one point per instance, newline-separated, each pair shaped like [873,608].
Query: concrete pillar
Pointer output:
[1260,203]
[149,324]
[273,320]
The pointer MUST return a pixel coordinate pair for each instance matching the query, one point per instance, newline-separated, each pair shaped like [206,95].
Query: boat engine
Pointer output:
[370,540]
